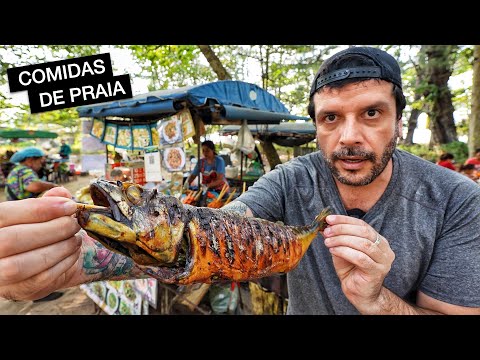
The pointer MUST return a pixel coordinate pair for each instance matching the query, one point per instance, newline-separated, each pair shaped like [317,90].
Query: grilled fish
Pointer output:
[182,244]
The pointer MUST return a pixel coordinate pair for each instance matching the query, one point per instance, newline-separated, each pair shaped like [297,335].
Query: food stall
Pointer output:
[290,134]
[159,122]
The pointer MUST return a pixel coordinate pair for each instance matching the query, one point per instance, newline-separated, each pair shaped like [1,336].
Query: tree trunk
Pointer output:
[412,124]
[474,127]
[439,69]
[215,62]
[271,153]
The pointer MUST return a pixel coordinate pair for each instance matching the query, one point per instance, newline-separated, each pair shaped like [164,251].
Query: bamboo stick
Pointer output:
[81,206]
[234,190]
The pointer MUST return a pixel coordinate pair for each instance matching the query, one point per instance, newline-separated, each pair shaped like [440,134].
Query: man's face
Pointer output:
[357,130]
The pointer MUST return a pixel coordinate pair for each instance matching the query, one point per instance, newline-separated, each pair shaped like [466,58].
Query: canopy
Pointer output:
[284,134]
[27,134]
[221,102]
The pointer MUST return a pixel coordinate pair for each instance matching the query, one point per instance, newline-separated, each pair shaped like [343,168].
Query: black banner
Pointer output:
[70,83]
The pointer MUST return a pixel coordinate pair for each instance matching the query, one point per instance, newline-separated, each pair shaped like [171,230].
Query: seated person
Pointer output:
[446,160]
[23,181]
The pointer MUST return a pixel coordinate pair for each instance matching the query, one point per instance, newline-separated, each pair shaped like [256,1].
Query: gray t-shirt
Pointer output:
[429,214]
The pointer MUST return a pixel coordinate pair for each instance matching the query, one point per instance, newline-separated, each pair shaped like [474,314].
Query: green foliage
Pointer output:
[457,148]
[420,150]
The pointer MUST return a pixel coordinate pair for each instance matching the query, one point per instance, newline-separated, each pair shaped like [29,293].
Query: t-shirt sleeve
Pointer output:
[266,197]
[196,169]
[28,176]
[454,272]
[220,165]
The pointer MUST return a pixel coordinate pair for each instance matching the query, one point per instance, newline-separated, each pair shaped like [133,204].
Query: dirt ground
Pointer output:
[73,302]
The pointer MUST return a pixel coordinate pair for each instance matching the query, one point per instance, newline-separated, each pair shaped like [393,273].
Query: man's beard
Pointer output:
[378,166]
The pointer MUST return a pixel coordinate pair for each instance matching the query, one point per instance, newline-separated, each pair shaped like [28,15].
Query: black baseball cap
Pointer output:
[386,68]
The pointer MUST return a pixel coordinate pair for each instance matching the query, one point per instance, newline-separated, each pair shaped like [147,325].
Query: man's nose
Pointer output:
[351,133]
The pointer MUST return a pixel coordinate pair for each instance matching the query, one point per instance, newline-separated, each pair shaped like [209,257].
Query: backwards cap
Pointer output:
[386,68]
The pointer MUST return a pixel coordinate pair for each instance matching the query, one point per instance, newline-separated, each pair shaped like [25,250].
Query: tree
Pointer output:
[474,129]
[440,59]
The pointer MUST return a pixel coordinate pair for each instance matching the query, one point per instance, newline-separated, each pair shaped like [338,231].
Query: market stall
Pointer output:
[158,123]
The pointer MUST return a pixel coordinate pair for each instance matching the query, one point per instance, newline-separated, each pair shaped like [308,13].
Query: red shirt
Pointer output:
[473,161]
[447,164]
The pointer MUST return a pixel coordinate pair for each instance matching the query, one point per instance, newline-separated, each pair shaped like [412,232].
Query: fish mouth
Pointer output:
[113,230]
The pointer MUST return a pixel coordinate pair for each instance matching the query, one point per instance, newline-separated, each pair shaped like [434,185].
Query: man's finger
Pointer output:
[35,210]
[17,268]
[48,281]
[17,239]
[58,191]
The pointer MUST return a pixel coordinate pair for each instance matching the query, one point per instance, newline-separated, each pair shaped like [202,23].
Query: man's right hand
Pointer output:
[38,245]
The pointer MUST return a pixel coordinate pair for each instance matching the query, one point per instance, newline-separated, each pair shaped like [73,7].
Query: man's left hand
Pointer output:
[362,259]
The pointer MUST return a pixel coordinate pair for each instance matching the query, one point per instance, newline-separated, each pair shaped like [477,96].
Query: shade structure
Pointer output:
[284,134]
[27,134]
[221,102]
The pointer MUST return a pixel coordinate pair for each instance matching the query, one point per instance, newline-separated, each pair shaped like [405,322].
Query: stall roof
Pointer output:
[220,102]
[27,134]
[285,134]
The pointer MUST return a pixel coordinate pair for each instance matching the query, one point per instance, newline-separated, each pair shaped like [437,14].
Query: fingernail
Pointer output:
[69,207]
[79,238]
[330,218]
[327,231]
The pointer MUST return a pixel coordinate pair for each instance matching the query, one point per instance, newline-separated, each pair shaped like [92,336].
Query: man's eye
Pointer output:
[330,118]
[371,113]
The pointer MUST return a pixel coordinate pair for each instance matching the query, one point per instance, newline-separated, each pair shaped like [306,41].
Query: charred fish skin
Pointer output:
[182,244]
[225,246]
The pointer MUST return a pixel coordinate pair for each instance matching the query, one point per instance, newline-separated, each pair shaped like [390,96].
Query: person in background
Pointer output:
[117,175]
[65,150]
[469,171]
[23,181]
[212,168]
[446,160]
[474,160]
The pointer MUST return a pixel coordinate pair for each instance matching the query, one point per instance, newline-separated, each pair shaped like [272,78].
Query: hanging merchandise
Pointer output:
[110,134]
[174,158]
[188,127]
[245,142]
[153,168]
[98,129]
[124,137]
[141,136]
[170,131]
[154,134]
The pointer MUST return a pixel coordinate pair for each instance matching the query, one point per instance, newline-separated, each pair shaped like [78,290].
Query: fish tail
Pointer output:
[307,233]
[319,221]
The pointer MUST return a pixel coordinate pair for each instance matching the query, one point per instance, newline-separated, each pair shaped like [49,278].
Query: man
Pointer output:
[65,150]
[23,181]
[402,239]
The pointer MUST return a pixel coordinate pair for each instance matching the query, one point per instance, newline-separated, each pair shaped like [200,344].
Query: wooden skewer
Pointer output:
[244,187]
[230,196]
[91,207]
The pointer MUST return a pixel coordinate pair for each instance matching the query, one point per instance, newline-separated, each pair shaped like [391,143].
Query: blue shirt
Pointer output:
[210,171]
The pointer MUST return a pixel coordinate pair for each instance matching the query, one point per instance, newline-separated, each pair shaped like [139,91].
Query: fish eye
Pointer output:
[134,195]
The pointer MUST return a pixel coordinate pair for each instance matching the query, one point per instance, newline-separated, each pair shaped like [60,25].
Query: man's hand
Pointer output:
[38,245]
[360,263]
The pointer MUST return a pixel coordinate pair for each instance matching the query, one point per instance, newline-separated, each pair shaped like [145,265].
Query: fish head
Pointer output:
[143,224]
